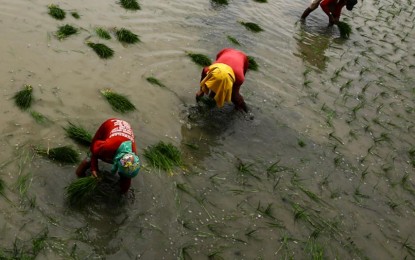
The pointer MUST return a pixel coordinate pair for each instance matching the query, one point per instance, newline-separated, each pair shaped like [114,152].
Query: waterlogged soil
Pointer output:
[322,167]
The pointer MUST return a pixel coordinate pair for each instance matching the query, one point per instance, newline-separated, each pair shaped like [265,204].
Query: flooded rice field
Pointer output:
[322,166]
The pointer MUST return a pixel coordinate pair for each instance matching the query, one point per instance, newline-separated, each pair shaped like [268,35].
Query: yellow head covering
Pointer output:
[219,79]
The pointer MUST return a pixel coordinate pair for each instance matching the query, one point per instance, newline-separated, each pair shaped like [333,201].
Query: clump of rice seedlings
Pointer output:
[78,134]
[39,118]
[75,15]
[23,98]
[246,169]
[65,31]
[253,27]
[200,59]
[233,40]
[39,242]
[267,211]
[126,36]
[64,154]
[130,4]
[102,33]
[164,156]
[344,29]
[23,183]
[220,2]
[301,143]
[56,12]
[154,81]
[118,102]
[384,137]
[2,187]
[102,50]
[252,64]
[208,102]
[81,190]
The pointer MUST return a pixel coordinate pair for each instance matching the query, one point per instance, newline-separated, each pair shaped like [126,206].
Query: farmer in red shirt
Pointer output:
[333,8]
[113,143]
[223,79]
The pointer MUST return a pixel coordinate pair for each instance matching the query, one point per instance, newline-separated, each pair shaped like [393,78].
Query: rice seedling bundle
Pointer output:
[39,118]
[65,31]
[64,154]
[23,98]
[56,12]
[81,190]
[164,156]
[233,40]
[344,29]
[78,134]
[155,81]
[253,27]
[130,4]
[75,15]
[102,33]
[220,2]
[252,64]
[102,50]
[126,36]
[200,59]
[118,102]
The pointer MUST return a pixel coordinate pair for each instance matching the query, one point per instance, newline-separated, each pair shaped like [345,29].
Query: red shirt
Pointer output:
[238,61]
[333,6]
[108,138]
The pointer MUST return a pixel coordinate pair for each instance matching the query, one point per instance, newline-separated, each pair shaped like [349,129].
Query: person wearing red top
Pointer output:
[223,79]
[333,8]
[113,143]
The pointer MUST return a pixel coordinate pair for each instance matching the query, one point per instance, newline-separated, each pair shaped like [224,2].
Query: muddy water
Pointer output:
[320,168]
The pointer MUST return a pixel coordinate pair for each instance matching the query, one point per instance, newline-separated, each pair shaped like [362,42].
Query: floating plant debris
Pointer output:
[65,31]
[344,29]
[78,134]
[102,33]
[56,12]
[220,2]
[164,156]
[102,50]
[124,35]
[64,154]
[253,27]
[155,81]
[233,40]
[75,15]
[81,190]
[200,59]
[118,102]
[130,4]
[23,98]
[252,64]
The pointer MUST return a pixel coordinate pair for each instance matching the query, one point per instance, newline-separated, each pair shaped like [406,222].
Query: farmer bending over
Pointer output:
[113,143]
[333,8]
[223,79]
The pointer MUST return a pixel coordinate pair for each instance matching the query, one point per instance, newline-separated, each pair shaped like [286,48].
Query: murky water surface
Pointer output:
[322,167]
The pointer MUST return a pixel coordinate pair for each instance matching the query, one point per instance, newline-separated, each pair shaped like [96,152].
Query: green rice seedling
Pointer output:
[253,27]
[233,40]
[220,2]
[23,184]
[307,83]
[245,169]
[56,12]
[261,1]
[81,190]
[384,137]
[252,64]
[23,98]
[126,36]
[102,33]
[102,50]
[118,102]
[315,250]
[200,59]
[39,242]
[406,184]
[64,154]
[2,187]
[267,211]
[275,167]
[346,85]
[301,143]
[332,136]
[344,29]
[154,81]
[410,248]
[78,134]
[130,5]
[164,156]
[65,31]
[39,118]
[75,15]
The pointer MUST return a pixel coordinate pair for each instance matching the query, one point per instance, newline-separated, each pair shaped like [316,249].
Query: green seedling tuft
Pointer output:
[81,190]
[164,156]
[78,134]
[233,40]
[39,118]
[102,50]
[65,31]
[220,2]
[252,64]
[118,102]
[126,36]
[64,154]
[155,81]
[23,98]
[253,27]
[344,29]
[130,5]
[200,59]
[102,33]
[261,1]
[75,15]
[56,12]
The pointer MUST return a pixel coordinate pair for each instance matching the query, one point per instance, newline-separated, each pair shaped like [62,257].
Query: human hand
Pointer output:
[94,173]
[199,95]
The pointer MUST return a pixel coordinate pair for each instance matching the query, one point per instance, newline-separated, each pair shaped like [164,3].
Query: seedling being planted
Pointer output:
[56,12]
[126,36]
[252,64]
[23,98]
[118,102]
[65,31]
[155,81]
[102,50]
[102,33]
[344,29]
[80,191]
[200,59]
[253,27]
[130,4]
[64,154]
[78,134]
[164,156]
